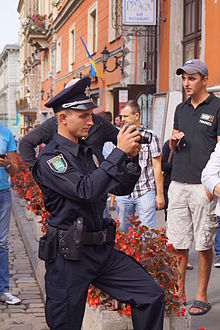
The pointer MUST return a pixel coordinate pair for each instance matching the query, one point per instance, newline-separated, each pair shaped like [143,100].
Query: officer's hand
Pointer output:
[127,140]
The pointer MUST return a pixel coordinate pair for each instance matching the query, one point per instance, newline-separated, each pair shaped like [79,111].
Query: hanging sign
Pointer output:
[139,12]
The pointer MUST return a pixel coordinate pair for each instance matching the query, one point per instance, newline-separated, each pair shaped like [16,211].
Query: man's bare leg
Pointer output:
[205,266]
[181,269]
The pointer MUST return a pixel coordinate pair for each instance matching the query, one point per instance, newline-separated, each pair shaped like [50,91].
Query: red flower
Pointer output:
[170,247]
[183,310]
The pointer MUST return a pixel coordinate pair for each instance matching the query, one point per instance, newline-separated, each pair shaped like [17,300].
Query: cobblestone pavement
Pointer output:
[29,315]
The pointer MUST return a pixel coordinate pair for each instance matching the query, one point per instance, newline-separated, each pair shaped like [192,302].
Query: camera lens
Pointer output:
[146,137]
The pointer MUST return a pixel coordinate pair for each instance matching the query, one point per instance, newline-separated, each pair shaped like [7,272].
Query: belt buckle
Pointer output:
[101,237]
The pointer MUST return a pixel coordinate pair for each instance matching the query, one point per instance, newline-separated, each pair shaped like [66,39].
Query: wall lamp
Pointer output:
[118,63]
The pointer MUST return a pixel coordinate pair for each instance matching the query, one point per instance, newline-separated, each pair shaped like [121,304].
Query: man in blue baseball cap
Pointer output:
[79,245]
[191,209]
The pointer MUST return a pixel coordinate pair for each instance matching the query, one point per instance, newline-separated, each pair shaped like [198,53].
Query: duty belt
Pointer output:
[101,237]
[71,241]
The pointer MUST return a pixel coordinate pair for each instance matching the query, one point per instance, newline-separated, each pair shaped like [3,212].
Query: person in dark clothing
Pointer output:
[167,161]
[101,132]
[79,245]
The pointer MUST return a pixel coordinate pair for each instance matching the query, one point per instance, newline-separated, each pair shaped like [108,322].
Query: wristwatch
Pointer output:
[8,166]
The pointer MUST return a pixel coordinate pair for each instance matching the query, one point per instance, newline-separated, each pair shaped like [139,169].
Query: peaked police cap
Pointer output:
[76,95]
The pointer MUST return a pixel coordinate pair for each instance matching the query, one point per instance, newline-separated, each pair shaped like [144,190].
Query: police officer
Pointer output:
[79,245]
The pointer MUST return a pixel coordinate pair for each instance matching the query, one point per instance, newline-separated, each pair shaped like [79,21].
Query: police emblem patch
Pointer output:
[95,160]
[58,164]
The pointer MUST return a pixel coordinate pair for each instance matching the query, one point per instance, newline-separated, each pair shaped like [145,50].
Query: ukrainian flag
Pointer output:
[93,70]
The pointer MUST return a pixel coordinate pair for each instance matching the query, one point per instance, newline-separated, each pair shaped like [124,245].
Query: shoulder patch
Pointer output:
[58,164]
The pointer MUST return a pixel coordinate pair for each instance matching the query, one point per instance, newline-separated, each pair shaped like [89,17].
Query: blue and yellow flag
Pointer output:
[93,70]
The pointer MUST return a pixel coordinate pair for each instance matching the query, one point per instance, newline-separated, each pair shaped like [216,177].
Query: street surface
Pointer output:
[30,314]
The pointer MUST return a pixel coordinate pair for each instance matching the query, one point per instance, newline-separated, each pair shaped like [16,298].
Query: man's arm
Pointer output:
[110,132]
[10,162]
[42,134]
[167,155]
[102,131]
[210,175]
[158,177]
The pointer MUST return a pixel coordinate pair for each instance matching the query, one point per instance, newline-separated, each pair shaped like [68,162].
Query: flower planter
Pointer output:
[37,227]
[22,202]
[100,319]
[29,215]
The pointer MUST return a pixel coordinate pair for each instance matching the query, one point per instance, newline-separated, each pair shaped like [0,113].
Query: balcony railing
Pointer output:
[22,104]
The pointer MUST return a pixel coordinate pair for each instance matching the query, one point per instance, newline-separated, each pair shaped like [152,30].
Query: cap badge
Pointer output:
[95,160]
[87,91]
[58,164]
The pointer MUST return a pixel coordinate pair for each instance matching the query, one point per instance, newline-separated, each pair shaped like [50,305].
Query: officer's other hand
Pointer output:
[174,139]
[127,140]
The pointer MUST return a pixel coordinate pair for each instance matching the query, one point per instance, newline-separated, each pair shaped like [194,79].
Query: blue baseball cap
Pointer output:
[193,66]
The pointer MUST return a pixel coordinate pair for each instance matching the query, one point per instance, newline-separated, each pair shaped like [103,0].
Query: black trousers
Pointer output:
[113,272]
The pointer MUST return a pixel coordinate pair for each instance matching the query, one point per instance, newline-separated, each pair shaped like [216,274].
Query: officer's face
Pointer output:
[128,117]
[75,123]
[193,84]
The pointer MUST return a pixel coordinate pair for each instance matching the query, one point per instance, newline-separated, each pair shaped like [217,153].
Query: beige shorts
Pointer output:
[190,216]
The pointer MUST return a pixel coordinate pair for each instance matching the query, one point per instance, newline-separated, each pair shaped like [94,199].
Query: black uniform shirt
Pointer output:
[75,180]
[201,127]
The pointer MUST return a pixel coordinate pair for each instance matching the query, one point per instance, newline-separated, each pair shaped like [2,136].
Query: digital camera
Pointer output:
[146,136]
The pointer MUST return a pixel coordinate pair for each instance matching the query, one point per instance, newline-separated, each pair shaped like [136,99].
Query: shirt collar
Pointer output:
[71,146]
[207,100]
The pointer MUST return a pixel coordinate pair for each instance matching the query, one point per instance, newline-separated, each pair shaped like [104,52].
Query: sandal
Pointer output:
[189,266]
[202,305]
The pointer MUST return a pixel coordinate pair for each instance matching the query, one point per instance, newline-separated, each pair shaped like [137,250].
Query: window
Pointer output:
[50,61]
[92,29]
[145,102]
[114,20]
[71,46]
[42,69]
[192,29]
[58,62]
[46,64]
[150,64]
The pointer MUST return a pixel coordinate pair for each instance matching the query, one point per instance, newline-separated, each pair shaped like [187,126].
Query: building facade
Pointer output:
[9,87]
[28,103]
[142,59]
